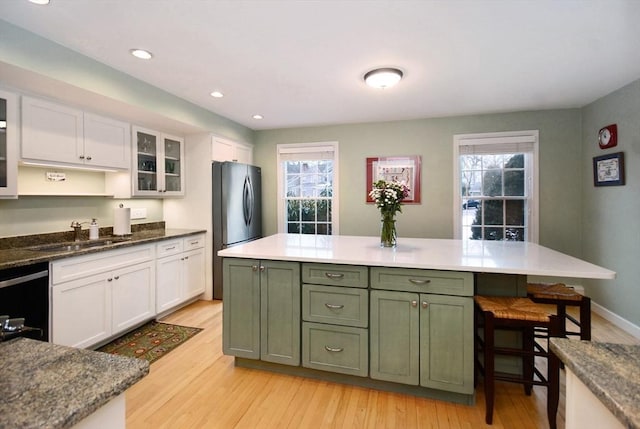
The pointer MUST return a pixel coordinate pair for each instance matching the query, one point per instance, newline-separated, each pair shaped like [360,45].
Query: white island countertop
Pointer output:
[505,257]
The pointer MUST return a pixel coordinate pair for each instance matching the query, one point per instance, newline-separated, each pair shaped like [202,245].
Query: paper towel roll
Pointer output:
[121,221]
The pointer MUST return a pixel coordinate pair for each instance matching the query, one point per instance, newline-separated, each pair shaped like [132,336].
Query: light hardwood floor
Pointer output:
[196,386]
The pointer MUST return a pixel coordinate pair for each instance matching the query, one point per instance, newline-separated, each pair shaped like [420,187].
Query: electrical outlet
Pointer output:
[139,213]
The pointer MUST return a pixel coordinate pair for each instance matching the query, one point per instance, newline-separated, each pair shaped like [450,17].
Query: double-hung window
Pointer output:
[307,188]
[496,192]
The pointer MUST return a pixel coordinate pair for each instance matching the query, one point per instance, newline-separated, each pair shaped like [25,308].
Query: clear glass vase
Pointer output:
[388,234]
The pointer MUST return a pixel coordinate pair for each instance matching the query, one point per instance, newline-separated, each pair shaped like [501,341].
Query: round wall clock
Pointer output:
[608,136]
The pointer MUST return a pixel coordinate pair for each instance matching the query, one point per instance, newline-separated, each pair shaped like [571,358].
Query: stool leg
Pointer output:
[553,374]
[489,363]
[528,360]
[562,315]
[585,319]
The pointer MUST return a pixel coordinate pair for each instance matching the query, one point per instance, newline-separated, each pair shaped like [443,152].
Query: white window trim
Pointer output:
[531,136]
[302,148]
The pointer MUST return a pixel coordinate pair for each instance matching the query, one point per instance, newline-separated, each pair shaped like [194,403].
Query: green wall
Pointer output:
[432,139]
[610,226]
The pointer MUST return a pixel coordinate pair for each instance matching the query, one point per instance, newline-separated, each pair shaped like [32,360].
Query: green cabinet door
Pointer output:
[241,308]
[394,336]
[446,343]
[280,312]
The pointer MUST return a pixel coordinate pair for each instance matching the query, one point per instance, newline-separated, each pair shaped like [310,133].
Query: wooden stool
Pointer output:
[521,314]
[562,296]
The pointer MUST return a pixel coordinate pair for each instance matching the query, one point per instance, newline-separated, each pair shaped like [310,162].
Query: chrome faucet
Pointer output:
[77,229]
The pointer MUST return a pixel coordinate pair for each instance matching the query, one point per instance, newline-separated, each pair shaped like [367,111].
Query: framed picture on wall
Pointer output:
[395,169]
[608,170]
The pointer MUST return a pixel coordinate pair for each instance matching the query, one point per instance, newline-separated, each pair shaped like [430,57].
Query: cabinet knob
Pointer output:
[425,304]
[262,268]
[254,267]
[81,156]
[88,158]
[116,277]
[110,279]
[186,257]
[414,303]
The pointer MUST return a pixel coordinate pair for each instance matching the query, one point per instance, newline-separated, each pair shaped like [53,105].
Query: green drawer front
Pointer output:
[335,305]
[335,275]
[422,281]
[338,349]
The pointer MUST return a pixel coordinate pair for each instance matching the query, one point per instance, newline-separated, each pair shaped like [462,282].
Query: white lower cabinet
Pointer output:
[181,274]
[98,296]
[112,298]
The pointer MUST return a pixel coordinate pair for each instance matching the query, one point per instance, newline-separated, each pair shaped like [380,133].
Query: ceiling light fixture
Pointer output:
[383,77]
[141,53]
[217,94]
[40,2]
[257,116]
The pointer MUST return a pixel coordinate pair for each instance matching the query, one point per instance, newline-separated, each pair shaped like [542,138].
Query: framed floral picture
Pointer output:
[608,170]
[403,169]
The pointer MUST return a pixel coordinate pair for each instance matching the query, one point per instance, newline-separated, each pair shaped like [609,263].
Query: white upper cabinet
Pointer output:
[8,144]
[158,167]
[61,135]
[107,141]
[227,150]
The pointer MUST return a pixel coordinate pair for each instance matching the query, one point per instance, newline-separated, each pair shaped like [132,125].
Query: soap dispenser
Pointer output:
[93,230]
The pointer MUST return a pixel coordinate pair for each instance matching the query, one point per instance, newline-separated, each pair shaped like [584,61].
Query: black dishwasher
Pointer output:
[24,294]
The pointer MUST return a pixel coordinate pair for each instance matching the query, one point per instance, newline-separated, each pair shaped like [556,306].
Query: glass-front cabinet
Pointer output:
[158,164]
[8,144]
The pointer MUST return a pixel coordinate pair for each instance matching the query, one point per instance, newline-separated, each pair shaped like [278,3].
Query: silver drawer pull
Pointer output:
[170,248]
[334,275]
[419,281]
[333,306]
[333,349]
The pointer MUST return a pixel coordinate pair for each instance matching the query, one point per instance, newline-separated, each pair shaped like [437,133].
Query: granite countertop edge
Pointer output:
[610,372]
[53,386]
[22,254]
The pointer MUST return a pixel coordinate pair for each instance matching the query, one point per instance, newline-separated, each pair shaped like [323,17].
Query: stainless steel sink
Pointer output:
[74,246]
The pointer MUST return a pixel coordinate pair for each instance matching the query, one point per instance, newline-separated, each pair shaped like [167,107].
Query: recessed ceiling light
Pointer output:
[217,94]
[383,77]
[40,2]
[141,53]
[257,116]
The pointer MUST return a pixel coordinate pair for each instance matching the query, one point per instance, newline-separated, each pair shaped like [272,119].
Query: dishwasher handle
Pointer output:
[23,279]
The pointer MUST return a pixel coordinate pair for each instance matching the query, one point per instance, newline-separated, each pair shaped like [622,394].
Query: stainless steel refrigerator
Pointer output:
[237,210]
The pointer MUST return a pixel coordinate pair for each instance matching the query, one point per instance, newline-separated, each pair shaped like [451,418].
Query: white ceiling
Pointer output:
[300,63]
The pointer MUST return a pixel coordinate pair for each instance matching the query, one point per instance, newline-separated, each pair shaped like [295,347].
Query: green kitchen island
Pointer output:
[342,308]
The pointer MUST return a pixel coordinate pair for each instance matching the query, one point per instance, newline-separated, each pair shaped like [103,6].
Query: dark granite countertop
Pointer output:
[43,385]
[18,251]
[610,371]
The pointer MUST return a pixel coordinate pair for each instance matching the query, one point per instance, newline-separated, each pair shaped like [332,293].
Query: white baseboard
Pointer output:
[612,317]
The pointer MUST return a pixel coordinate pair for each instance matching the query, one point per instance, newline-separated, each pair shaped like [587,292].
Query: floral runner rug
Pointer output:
[150,341]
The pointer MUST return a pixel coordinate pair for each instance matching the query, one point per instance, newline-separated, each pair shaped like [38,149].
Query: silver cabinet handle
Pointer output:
[419,281]
[170,248]
[333,349]
[262,268]
[254,267]
[414,303]
[425,304]
[334,275]
[333,306]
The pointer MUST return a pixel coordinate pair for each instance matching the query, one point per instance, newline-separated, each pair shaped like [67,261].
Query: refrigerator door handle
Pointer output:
[247,201]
